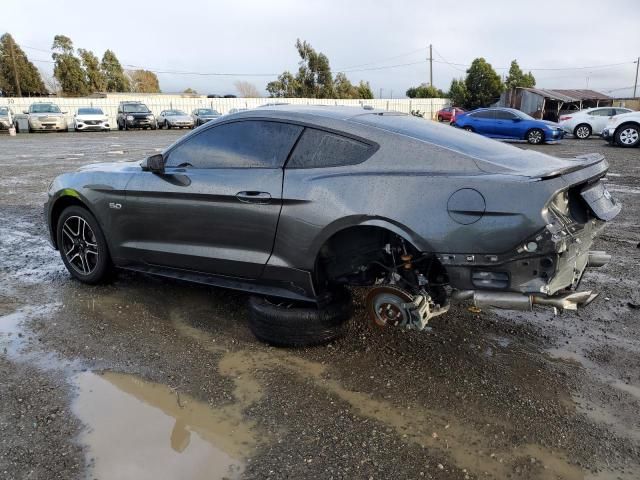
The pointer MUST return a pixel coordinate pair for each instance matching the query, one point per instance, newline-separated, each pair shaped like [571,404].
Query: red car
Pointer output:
[448,114]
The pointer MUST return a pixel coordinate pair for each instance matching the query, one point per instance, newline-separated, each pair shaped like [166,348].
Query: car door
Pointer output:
[215,208]
[484,122]
[507,124]
[598,119]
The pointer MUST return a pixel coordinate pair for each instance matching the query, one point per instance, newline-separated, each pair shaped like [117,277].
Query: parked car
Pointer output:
[46,117]
[623,130]
[277,202]
[584,123]
[90,118]
[6,118]
[203,115]
[447,114]
[135,115]
[175,119]
[509,123]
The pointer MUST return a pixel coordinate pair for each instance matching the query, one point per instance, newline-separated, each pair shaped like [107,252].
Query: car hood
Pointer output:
[112,167]
[91,117]
[139,114]
[208,116]
[40,115]
[179,118]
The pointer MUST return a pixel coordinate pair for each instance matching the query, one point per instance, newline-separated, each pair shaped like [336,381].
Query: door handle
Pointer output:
[254,197]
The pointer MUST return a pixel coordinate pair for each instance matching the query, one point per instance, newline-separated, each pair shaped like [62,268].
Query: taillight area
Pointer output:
[562,119]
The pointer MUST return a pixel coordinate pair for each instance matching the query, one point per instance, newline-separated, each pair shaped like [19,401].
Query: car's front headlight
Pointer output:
[149,117]
[130,117]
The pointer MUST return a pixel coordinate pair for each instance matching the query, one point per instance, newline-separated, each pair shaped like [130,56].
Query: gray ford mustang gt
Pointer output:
[292,203]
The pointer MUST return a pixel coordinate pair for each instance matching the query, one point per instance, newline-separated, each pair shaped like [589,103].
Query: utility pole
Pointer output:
[15,69]
[430,65]
[635,85]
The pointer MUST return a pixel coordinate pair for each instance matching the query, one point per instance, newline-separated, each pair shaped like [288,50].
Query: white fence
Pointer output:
[159,102]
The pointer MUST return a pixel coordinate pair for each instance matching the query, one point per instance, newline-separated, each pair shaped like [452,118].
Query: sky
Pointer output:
[567,44]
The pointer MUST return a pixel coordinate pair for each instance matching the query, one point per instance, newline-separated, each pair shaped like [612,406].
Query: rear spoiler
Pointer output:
[582,161]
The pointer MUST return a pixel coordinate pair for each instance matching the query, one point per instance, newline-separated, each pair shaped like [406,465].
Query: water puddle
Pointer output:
[468,447]
[142,430]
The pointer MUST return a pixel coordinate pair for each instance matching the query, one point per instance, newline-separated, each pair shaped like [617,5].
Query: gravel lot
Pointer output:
[151,378]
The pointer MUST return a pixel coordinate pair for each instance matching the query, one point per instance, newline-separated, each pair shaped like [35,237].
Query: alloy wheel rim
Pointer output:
[629,136]
[535,137]
[583,132]
[79,245]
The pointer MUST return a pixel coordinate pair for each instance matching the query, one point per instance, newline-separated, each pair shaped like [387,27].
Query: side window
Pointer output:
[603,112]
[503,115]
[317,149]
[620,111]
[485,115]
[245,144]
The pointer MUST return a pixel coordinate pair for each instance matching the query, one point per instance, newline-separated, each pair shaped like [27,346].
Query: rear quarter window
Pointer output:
[318,149]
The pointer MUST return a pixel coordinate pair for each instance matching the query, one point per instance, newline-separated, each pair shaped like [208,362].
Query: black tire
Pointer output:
[468,129]
[628,135]
[119,126]
[440,119]
[535,136]
[288,325]
[154,127]
[126,127]
[582,131]
[166,125]
[99,267]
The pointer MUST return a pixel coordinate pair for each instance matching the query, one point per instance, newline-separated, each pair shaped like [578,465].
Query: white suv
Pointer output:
[623,130]
[584,123]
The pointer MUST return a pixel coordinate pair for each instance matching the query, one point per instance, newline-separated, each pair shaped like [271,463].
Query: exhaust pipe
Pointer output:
[519,301]
[598,258]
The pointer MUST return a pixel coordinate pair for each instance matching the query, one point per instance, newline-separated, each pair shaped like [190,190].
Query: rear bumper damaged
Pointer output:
[545,269]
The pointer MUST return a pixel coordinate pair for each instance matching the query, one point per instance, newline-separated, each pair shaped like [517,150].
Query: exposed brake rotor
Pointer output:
[386,306]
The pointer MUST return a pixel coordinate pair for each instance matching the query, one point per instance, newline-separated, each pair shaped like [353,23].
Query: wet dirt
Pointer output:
[150,378]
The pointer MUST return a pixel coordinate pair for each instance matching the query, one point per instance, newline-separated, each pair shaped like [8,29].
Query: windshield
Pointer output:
[207,111]
[135,108]
[174,112]
[44,108]
[89,111]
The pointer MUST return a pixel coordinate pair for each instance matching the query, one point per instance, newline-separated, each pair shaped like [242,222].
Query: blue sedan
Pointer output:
[509,123]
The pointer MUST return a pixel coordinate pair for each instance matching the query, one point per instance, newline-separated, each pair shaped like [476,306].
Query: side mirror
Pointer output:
[154,163]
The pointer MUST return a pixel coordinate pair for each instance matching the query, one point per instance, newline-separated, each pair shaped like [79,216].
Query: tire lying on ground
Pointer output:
[283,323]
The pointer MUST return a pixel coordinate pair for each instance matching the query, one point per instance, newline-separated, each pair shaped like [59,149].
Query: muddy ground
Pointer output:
[151,378]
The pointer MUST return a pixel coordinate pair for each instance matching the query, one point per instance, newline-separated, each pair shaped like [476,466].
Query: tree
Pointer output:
[68,69]
[458,93]
[314,73]
[14,62]
[246,89]
[315,79]
[190,91]
[113,73]
[517,78]
[286,86]
[425,91]
[96,81]
[483,84]
[364,90]
[143,81]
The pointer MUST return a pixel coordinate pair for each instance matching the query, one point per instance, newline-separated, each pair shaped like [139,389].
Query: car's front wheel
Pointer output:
[468,129]
[628,135]
[535,136]
[284,323]
[82,245]
[582,131]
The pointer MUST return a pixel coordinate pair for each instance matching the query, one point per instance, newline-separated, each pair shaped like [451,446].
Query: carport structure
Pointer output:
[548,104]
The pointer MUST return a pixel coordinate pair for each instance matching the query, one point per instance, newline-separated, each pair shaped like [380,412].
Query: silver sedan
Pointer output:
[174,119]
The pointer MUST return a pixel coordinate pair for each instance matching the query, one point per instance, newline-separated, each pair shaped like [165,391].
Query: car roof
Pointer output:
[311,111]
